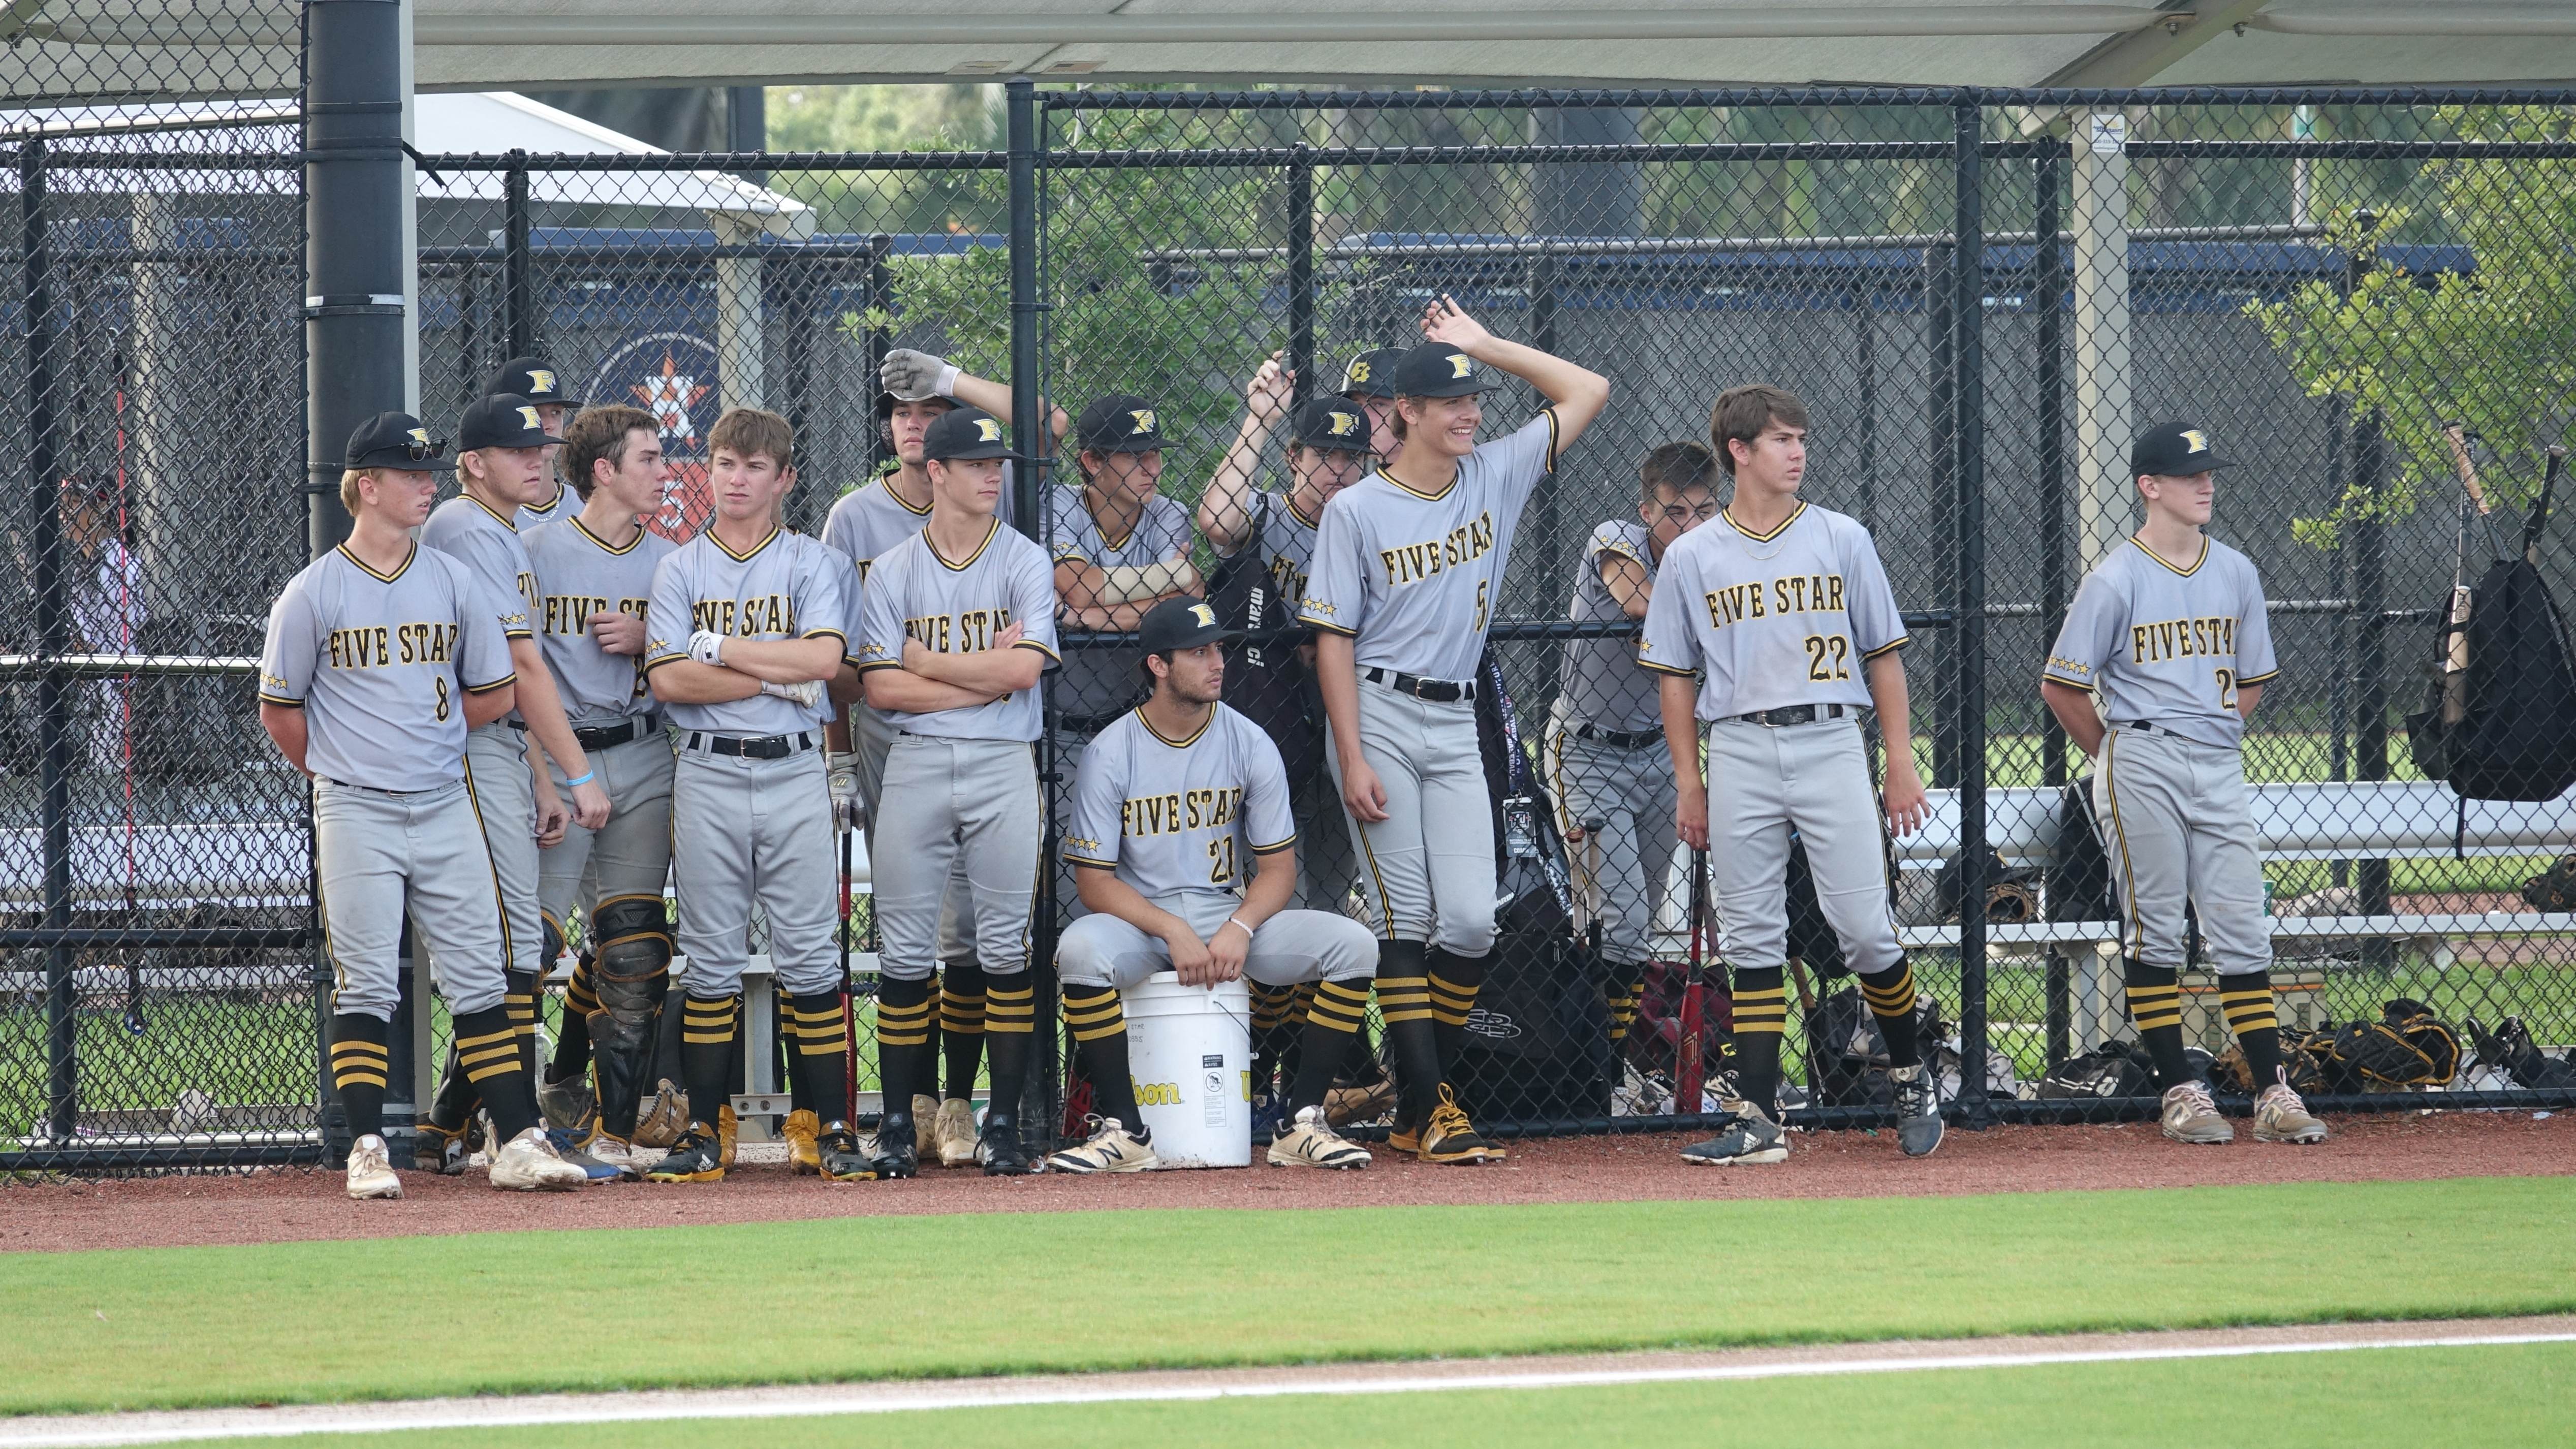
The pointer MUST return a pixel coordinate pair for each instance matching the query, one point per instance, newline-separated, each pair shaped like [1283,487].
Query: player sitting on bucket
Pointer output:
[1171,802]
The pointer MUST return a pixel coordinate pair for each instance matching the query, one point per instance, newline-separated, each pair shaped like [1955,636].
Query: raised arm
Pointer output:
[1225,509]
[1577,393]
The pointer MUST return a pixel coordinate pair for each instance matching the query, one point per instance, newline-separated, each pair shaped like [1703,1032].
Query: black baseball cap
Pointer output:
[1436,369]
[501,420]
[965,433]
[1372,373]
[1182,623]
[1331,422]
[1119,423]
[2173,450]
[532,378]
[396,440]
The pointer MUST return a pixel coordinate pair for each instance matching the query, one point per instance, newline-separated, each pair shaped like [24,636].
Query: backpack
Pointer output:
[1265,680]
[2113,1069]
[2406,1048]
[2494,722]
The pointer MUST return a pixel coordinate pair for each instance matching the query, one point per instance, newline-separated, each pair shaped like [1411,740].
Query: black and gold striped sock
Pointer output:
[2155,1005]
[1098,1024]
[962,1002]
[487,1048]
[572,1034]
[2247,1000]
[519,998]
[1890,994]
[1454,982]
[1269,1033]
[1622,986]
[708,1028]
[1404,1006]
[1761,1007]
[903,1043]
[1340,1010]
[358,1071]
[1010,1024]
[818,1053]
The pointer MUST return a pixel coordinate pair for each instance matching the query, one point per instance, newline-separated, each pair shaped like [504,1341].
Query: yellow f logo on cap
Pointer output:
[1359,371]
[541,379]
[420,436]
[1144,419]
[528,418]
[1345,424]
[2198,441]
[988,430]
[1461,365]
[1205,615]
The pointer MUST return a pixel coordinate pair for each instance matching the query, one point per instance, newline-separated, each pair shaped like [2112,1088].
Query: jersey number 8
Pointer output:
[441,714]
[1828,657]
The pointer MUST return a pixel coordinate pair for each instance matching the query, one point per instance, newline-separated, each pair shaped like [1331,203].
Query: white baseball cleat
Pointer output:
[529,1164]
[1111,1148]
[371,1171]
[1310,1141]
[2280,1116]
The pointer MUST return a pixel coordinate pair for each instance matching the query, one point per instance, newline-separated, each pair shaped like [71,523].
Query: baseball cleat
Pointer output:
[1754,1138]
[1404,1140]
[999,1150]
[1310,1141]
[1110,1148]
[728,1128]
[2280,1116]
[568,1106]
[437,1149]
[527,1163]
[837,1154]
[371,1172]
[1449,1139]
[895,1155]
[1918,1110]
[624,1156]
[696,1157]
[804,1158]
[952,1130]
[595,1169]
[2191,1116]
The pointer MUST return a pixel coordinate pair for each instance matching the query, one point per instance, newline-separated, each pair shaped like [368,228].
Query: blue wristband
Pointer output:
[585,778]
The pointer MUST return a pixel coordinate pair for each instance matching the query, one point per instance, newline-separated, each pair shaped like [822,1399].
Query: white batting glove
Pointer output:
[808,694]
[706,647]
[841,771]
[910,374]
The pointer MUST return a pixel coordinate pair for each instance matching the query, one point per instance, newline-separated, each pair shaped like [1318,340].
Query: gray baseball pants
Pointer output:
[1290,949]
[745,830]
[2178,825]
[954,806]
[872,735]
[1763,780]
[1623,876]
[1427,869]
[376,851]
[505,796]
[628,856]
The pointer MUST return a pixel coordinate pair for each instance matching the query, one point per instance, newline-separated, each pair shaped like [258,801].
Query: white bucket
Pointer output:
[1189,1049]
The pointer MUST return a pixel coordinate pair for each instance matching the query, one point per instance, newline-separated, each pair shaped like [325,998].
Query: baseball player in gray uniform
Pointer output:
[1173,803]
[914,390]
[501,456]
[1605,754]
[1784,613]
[595,575]
[2162,659]
[956,625]
[536,381]
[380,656]
[1407,568]
[747,624]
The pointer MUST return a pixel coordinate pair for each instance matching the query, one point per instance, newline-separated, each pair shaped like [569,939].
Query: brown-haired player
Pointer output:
[595,573]
[1774,628]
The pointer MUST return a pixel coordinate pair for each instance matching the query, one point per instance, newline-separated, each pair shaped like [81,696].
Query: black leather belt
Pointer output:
[758,747]
[1795,714]
[1619,739]
[605,737]
[2142,726]
[1438,691]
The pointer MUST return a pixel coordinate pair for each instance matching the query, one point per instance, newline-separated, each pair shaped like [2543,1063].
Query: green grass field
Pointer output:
[2493,1396]
[1011,1293]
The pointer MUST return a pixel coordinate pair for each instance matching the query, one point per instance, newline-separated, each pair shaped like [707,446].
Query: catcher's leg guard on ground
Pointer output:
[631,973]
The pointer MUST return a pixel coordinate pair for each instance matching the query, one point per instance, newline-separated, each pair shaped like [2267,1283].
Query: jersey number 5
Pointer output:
[1481,585]
[1221,860]
[2226,688]
[441,713]
[1828,657]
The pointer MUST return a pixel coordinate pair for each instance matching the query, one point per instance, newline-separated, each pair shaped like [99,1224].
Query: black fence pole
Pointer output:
[1041,1101]
[2048,295]
[1968,437]
[1549,525]
[53,638]
[2370,602]
[1301,276]
[1864,305]
[1940,327]
[518,283]
[880,304]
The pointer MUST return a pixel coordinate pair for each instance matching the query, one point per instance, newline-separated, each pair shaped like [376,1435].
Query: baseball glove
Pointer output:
[2553,889]
[667,1116]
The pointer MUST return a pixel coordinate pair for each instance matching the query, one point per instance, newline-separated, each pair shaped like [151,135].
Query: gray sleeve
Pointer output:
[1267,824]
[1336,596]
[1177,528]
[673,614]
[1092,830]
[879,642]
[496,573]
[294,645]
[854,592]
[823,602]
[1668,644]
[1526,456]
[484,634]
[2090,638]
[1032,604]
[1877,624]
[2255,661]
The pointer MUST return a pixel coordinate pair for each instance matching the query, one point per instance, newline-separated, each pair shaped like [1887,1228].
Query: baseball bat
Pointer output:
[2532,526]
[2458,438]
[1688,1075]
[849,1017]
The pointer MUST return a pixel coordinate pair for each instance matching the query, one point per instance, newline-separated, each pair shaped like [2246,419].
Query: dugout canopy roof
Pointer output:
[154,49]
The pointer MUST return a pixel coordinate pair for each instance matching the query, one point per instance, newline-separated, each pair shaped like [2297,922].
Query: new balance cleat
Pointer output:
[371,1171]
[1110,1148]
[2191,1116]
[696,1157]
[437,1149]
[895,1154]
[568,1106]
[527,1163]
[2280,1116]
[1918,1111]
[838,1157]
[594,1169]
[1450,1140]
[1754,1138]
[952,1130]
[804,1158]
[1000,1152]
[1310,1141]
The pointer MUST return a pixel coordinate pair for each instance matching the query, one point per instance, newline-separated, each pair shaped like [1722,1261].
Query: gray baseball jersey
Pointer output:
[379,663]
[530,515]
[2165,645]
[1413,576]
[1282,541]
[490,545]
[872,518]
[1102,681]
[957,608]
[1600,680]
[1775,619]
[787,587]
[578,576]
[1180,815]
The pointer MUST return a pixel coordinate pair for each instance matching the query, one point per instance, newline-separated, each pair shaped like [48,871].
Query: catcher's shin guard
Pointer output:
[632,972]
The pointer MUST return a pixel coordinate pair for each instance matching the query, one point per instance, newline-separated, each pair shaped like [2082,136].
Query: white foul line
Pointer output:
[884,1398]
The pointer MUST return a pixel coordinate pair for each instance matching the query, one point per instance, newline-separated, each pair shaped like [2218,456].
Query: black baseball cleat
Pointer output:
[696,1157]
[1918,1110]
[895,1156]
[999,1149]
[837,1147]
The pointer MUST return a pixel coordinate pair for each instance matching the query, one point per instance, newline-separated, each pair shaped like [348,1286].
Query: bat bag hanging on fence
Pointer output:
[2505,727]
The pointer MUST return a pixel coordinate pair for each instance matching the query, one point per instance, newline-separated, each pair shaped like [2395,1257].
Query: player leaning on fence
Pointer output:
[2163,657]
[381,655]
[1784,612]
[1407,568]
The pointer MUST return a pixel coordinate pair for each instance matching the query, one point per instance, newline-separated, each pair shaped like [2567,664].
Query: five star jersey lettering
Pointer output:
[1101,681]
[578,576]
[1179,815]
[1772,619]
[380,664]
[787,587]
[1414,576]
[488,545]
[2168,645]
[957,608]
[1282,544]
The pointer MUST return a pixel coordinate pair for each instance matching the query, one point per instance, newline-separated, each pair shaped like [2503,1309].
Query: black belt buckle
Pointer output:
[757,747]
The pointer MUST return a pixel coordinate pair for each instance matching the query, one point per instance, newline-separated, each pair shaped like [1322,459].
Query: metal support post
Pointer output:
[1039,1103]
[1548,527]
[1301,276]
[1940,326]
[356,201]
[2048,295]
[1969,694]
[518,263]
[54,688]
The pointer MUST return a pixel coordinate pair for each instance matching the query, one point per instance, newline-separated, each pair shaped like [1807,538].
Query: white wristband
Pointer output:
[1231,921]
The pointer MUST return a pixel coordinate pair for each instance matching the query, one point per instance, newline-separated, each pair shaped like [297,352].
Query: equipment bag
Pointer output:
[1849,1054]
[2407,1048]
[2513,739]
[1265,678]
[2114,1069]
